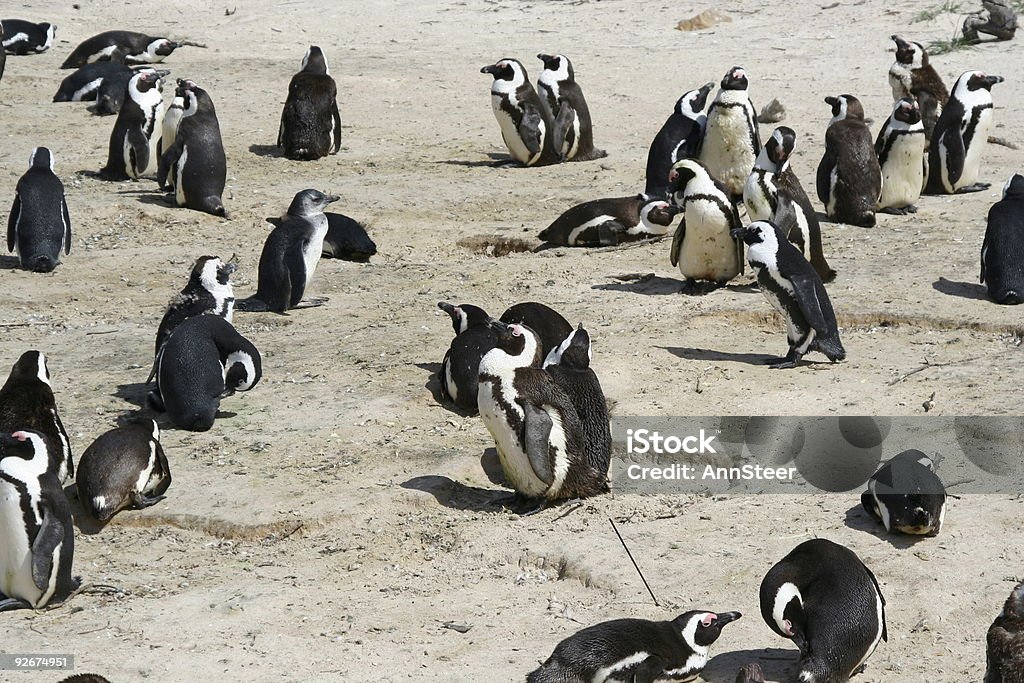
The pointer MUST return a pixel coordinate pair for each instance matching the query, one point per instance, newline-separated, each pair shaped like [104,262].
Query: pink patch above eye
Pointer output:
[789,627]
[708,619]
[20,436]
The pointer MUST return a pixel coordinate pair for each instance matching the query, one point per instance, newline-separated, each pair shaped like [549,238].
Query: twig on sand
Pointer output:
[927,365]
[568,512]
[1003,142]
[190,43]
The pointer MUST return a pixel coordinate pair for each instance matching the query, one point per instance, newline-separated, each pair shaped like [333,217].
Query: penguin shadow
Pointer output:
[760,359]
[649,284]
[778,664]
[155,198]
[457,496]
[85,522]
[433,385]
[134,393]
[858,519]
[9,263]
[493,160]
[267,151]
[966,290]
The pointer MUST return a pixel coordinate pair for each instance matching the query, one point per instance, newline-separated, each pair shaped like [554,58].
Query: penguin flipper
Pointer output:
[755,132]
[168,160]
[867,501]
[442,374]
[823,179]
[530,129]
[50,536]
[12,223]
[536,434]
[885,629]
[677,242]
[737,223]
[786,219]
[66,217]
[296,267]
[650,670]
[337,125]
[809,302]
[953,142]
[139,151]
[984,250]
[561,127]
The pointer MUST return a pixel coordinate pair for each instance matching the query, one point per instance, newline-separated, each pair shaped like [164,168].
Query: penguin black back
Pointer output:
[196,158]
[906,495]
[347,239]
[137,48]
[460,368]
[1002,252]
[550,326]
[1005,652]
[84,84]
[39,225]
[310,117]
[679,138]
[25,37]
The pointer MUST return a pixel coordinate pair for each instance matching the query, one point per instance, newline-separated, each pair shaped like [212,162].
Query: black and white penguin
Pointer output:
[25,37]
[36,531]
[204,360]
[679,138]
[460,368]
[902,156]
[137,48]
[525,125]
[290,255]
[849,178]
[84,84]
[310,122]
[172,117]
[573,134]
[606,222]
[1005,651]
[825,599]
[1002,252]
[912,77]
[549,325]
[906,495]
[636,650]
[773,192]
[39,225]
[795,290]
[27,402]
[702,247]
[194,166]
[112,91]
[347,239]
[961,136]
[136,134]
[731,139]
[537,431]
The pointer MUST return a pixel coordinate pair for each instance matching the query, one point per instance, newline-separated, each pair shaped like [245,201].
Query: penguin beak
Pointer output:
[491,69]
[738,233]
[992,80]
[833,101]
[331,198]
[727,617]
[446,307]
[900,43]
[162,73]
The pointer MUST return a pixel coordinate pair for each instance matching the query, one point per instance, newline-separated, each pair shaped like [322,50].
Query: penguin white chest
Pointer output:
[514,462]
[758,195]
[727,151]
[179,187]
[16,558]
[510,133]
[707,252]
[313,249]
[979,141]
[903,172]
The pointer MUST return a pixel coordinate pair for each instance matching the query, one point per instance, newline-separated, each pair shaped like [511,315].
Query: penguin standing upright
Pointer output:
[125,466]
[310,121]
[549,325]
[731,139]
[525,125]
[912,77]
[849,178]
[26,402]
[460,368]
[1005,641]
[826,600]
[195,165]
[794,289]
[961,136]
[606,222]
[1002,252]
[573,133]
[679,138]
[39,225]
[902,156]
[172,118]
[25,37]
[208,291]
[906,495]
[36,533]
[137,48]
[137,130]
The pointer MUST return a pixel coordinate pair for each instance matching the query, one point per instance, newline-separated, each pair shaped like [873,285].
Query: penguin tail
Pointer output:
[1010,297]
[827,274]
[833,349]
[42,264]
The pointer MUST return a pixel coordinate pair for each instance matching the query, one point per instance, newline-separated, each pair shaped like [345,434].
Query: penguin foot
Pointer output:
[142,501]
[899,211]
[251,305]
[976,187]
[522,505]
[8,604]
[790,360]
[502,163]
[312,302]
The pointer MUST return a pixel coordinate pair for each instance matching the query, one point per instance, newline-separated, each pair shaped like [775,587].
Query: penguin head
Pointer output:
[779,147]
[23,445]
[972,81]
[735,79]
[907,111]
[656,211]
[1014,187]
[315,61]
[700,629]
[559,66]
[508,74]
[31,367]
[146,80]
[310,203]
[516,342]
[211,274]
[161,47]
[787,611]
[41,157]
[464,316]
[758,232]
[910,55]
[694,103]
[845,107]
[574,351]
[242,370]
[683,172]
[192,96]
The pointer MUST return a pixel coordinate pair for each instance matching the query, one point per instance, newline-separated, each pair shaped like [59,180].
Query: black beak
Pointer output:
[446,307]
[492,69]
[992,80]
[728,617]
[900,43]
[738,233]
[331,198]
[832,100]
[497,326]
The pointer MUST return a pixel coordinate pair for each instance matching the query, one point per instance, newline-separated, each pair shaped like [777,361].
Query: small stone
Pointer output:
[705,19]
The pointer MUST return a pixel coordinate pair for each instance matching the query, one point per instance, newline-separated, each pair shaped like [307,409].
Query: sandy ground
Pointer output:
[336,517]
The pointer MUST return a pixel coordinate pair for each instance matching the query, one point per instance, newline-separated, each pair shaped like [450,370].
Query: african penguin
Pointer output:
[204,360]
[824,598]
[902,156]
[137,130]
[731,138]
[912,77]
[525,125]
[607,222]
[84,84]
[906,495]
[679,138]
[636,650]
[25,37]
[172,117]
[194,166]
[26,402]
[549,325]
[347,239]
[39,225]
[849,178]
[573,133]
[460,368]
[961,135]
[36,531]
[1002,252]
[1005,651]
[138,48]
[112,91]
[794,289]
[702,247]
[310,122]
[773,192]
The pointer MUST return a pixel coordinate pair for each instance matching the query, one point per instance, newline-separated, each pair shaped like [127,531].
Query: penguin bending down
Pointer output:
[906,496]
[679,138]
[36,532]
[823,598]
[204,360]
[773,192]
[573,133]
[137,48]
[1002,252]
[525,126]
[849,178]
[460,368]
[731,140]
[39,226]
[125,466]
[136,134]
[794,289]
[84,84]
[636,650]
[22,37]
[26,402]
[310,120]
[347,239]
[1005,651]
[549,325]
[902,156]
[961,136]
[912,77]
[607,222]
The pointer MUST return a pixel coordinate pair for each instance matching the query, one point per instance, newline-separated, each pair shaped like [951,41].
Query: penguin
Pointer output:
[679,138]
[731,137]
[826,600]
[85,678]
[111,92]
[310,119]
[123,467]
[912,77]
[750,673]
[773,192]
[25,37]
[347,239]
[636,650]
[290,255]
[172,117]
[1002,252]
[906,495]
[573,137]
[204,360]
[136,134]
[607,222]
[901,150]
[537,431]
[36,531]
[549,325]
[138,48]
[849,178]
[701,246]
[39,225]
[195,166]
[961,135]
[460,368]
[1005,651]
[794,289]
[84,84]
[27,402]
[525,126]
